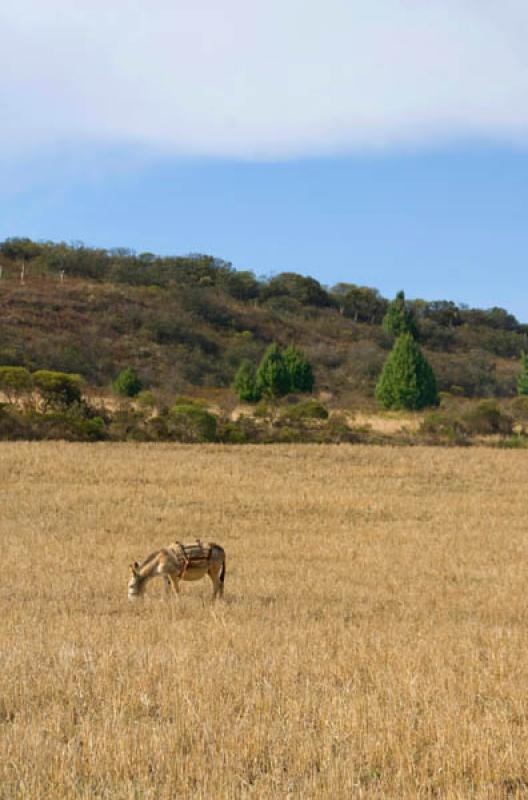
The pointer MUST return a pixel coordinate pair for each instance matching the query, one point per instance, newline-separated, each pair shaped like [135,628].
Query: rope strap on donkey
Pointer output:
[185,559]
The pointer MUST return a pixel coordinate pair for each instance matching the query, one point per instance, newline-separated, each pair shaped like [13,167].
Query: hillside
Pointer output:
[185,323]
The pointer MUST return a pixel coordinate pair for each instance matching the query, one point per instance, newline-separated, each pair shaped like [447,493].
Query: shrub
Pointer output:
[287,435]
[443,425]
[407,380]
[486,418]
[15,381]
[263,410]
[58,389]
[126,422]
[13,424]
[231,433]
[515,442]
[63,426]
[522,378]
[183,400]
[127,383]
[191,423]
[54,425]
[146,399]
[518,408]
[336,431]
[309,409]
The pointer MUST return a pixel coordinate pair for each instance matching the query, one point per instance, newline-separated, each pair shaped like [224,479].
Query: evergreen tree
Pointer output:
[522,378]
[245,382]
[127,383]
[299,370]
[273,379]
[407,380]
[399,318]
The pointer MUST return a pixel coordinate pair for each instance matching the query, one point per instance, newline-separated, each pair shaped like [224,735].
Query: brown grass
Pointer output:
[373,642]
[389,422]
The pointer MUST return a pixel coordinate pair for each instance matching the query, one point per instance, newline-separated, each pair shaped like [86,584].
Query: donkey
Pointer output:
[180,562]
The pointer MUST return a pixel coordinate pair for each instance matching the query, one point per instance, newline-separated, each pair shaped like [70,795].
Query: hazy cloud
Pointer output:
[274,79]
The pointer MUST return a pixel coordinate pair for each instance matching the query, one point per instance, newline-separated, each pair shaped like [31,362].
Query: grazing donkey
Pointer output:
[180,562]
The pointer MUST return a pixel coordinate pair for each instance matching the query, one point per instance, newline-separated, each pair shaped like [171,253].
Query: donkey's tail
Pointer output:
[223,570]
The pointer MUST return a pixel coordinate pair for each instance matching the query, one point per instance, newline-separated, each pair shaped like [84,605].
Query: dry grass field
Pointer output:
[373,642]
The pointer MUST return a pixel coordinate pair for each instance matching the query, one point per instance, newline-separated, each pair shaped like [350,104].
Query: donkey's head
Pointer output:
[135,582]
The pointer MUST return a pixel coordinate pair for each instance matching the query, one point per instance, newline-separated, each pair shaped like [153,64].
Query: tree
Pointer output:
[407,380]
[245,382]
[522,378]
[360,303]
[127,383]
[399,318]
[299,370]
[272,378]
[242,285]
[58,389]
[307,291]
[15,381]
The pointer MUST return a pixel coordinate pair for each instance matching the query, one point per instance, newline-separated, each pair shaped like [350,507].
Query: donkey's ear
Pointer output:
[134,568]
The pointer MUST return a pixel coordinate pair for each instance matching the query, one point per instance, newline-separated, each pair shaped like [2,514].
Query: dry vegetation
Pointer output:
[373,642]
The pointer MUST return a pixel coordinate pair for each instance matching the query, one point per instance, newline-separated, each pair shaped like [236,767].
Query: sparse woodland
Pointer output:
[185,326]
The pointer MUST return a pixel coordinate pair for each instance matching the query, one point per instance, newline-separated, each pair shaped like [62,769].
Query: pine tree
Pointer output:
[245,382]
[399,318]
[272,379]
[299,370]
[522,378]
[407,380]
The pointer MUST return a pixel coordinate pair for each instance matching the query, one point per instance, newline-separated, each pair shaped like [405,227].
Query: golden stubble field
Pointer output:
[373,642]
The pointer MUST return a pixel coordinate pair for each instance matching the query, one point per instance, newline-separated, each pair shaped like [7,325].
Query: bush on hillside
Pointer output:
[486,418]
[15,382]
[146,399]
[518,409]
[68,425]
[127,383]
[308,409]
[336,431]
[229,432]
[522,378]
[191,423]
[58,389]
[444,425]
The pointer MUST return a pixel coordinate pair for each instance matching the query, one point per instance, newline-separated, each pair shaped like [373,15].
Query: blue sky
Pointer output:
[382,143]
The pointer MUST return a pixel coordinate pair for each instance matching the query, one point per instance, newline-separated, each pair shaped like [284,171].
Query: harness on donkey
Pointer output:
[193,554]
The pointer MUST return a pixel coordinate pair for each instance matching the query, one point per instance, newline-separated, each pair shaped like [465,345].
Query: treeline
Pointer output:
[292,291]
[192,321]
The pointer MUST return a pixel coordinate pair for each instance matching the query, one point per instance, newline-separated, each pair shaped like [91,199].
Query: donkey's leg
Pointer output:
[175,583]
[214,573]
[168,584]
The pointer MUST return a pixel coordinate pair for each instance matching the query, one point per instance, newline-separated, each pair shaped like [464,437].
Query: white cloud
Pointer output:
[253,79]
